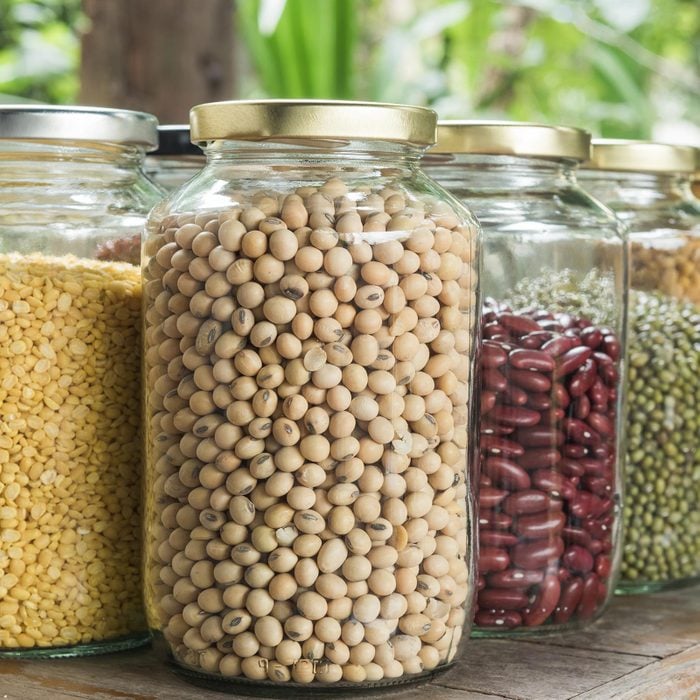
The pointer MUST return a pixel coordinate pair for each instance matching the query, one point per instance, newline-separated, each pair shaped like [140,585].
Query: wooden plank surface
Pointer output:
[644,648]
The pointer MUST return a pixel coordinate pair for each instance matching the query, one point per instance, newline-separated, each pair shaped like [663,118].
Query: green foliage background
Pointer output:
[617,67]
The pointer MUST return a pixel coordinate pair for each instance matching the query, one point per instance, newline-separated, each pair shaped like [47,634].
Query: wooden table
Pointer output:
[644,648]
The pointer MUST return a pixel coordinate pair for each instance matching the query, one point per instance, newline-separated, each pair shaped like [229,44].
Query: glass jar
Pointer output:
[648,186]
[551,368]
[177,159]
[73,201]
[312,304]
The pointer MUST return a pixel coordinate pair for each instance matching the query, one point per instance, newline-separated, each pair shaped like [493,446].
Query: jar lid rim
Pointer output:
[312,120]
[507,138]
[627,155]
[74,123]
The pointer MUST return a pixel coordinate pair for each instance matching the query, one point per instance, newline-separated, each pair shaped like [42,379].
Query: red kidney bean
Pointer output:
[552,325]
[582,407]
[484,480]
[571,593]
[540,402]
[501,446]
[574,451]
[599,422]
[603,566]
[526,502]
[489,428]
[560,395]
[490,497]
[494,380]
[493,559]
[506,473]
[583,379]
[598,531]
[576,535]
[609,374]
[554,483]
[540,525]
[611,347]
[540,457]
[496,521]
[492,355]
[538,554]
[518,324]
[496,538]
[531,360]
[591,336]
[515,395]
[599,485]
[540,437]
[604,452]
[589,598]
[532,381]
[498,618]
[571,467]
[605,505]
[583,505]
[494,329]
[544,604]
[515,578]
[593,467]
[535,340]
[602,592]
[571,360]
[514,416]
[599,393]
[480,583]
[558,346]
[488,401]
[577,559]
[502,599]
[578,431]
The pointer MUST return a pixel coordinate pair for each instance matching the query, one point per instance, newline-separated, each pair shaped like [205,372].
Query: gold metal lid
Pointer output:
[512,139]
[641,157]
[312,120]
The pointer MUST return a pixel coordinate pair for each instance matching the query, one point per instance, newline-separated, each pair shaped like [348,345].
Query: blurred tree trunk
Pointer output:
[159,56]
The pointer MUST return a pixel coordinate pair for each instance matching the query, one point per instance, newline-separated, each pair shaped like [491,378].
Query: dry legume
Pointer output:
[364,390]
[547,508]
[69,451]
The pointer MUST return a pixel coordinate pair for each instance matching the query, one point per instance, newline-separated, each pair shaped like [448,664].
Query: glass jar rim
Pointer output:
[312,120]
[504,138]
[623,155]
[49,123]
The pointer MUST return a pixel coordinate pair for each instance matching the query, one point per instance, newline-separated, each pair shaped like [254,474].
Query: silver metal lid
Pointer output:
[59,123]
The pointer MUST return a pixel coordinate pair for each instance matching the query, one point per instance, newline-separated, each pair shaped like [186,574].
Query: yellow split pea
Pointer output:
[69,451]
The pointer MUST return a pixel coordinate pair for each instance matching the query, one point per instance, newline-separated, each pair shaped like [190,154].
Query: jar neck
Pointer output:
[57,164]
[298,155]
[629,191]
[490,175]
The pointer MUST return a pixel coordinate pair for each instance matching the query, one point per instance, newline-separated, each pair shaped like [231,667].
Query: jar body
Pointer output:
[662,521]
[551,368]
[69,353]
[309,342]
[171,172]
